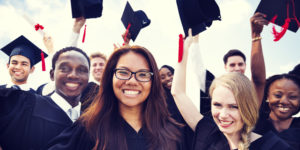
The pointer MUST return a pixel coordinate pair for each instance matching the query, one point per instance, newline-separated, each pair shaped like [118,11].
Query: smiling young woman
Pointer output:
[234,110]
[130,111]
[281,101]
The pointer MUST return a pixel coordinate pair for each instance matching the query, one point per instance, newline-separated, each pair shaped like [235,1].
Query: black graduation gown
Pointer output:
[291,135]
[77,138]
[28,121]
[209,137]
[186,131]
[204,96]
[30,90]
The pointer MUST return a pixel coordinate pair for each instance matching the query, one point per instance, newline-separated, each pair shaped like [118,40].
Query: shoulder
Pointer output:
[269,141]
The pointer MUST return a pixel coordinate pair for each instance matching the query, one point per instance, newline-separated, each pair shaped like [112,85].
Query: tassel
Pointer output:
[279,35]
[83,38]
[43,61]
[180,49]
[127,30]
[38,26]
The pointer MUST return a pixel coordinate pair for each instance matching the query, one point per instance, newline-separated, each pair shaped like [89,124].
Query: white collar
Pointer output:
[64,105]
[23,87]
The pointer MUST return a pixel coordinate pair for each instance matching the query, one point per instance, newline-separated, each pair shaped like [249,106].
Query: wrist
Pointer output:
[258,38]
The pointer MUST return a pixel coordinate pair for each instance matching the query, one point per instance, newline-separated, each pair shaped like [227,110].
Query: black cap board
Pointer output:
[86,8]
[197,14]
[283,9]
[136,19]
[22,46]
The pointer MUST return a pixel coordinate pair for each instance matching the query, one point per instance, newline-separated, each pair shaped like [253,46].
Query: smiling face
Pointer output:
[225,111]
[166,77]
[19,69]
[97,67]
[235,64]
[284,99]
[131,93]
[71,75]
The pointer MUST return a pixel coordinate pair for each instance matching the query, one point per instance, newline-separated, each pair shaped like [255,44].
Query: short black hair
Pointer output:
[233,52]
[168,67]
[296,70]
[66,49]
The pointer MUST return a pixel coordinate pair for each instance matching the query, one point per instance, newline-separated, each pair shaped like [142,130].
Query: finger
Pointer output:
[190,32]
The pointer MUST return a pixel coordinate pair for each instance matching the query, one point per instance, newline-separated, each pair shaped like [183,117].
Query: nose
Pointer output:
[284,100]
[132,80]
[18,66]
[73,74]
[237,68]
[223,113]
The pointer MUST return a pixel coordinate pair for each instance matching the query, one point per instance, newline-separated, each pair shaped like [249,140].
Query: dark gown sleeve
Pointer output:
[270,141]
[186,132]
[208,136]
[28,121]
[73,138]
[15,107]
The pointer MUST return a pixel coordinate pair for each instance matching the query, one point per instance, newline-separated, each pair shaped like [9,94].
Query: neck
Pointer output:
[132,116]
[73,101]
[280,124]
[233,140]
[18,83]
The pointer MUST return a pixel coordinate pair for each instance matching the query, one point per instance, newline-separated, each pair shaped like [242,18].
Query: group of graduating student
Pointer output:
[136,106]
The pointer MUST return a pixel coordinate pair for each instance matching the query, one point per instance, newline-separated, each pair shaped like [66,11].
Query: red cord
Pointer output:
[180,49]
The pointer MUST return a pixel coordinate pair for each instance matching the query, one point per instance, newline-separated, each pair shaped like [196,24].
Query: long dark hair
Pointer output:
[103,120]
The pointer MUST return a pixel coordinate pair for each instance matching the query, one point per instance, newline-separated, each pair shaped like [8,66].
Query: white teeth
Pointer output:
[129,92]
[72,84]
[169,83]
[225,122]
[283,108]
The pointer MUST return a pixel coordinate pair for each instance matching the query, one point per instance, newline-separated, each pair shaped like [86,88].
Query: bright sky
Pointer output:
[160,37]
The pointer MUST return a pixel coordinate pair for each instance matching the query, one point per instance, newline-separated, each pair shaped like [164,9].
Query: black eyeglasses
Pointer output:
[142,76]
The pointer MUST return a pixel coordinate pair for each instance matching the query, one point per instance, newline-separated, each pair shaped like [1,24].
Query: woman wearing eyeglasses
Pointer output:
[130,111]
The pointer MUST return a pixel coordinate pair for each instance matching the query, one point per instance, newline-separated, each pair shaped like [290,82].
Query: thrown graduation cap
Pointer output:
[86,8]
[197,14]
[285,10]
[22,46]
[134,20]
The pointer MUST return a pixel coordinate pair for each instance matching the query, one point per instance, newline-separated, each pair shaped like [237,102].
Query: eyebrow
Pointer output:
[122,67]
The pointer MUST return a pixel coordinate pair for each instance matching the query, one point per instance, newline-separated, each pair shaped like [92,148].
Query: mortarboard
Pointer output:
[86,8]
[283,9]
[134,20]
[197,14]
[22,46]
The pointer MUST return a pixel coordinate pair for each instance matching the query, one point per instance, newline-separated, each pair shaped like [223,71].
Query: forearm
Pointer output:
[258,69]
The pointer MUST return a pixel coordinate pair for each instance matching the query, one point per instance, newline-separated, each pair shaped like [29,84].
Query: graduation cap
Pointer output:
[197,14]
[283,9]
[22,46]
[134,20]
[86,8]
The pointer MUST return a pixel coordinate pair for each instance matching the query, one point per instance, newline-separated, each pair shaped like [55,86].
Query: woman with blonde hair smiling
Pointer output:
[234,109]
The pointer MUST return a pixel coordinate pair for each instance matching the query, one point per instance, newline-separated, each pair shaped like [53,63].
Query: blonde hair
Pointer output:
[246,99]
[97,54]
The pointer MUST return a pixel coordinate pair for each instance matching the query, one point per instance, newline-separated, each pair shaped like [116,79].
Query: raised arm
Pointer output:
[186,107]
[258,70]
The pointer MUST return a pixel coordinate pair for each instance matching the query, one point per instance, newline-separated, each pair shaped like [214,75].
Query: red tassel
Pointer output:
[127,30]
[180,49]
[279,35]
[83,38]
[38,26]
[43,61]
